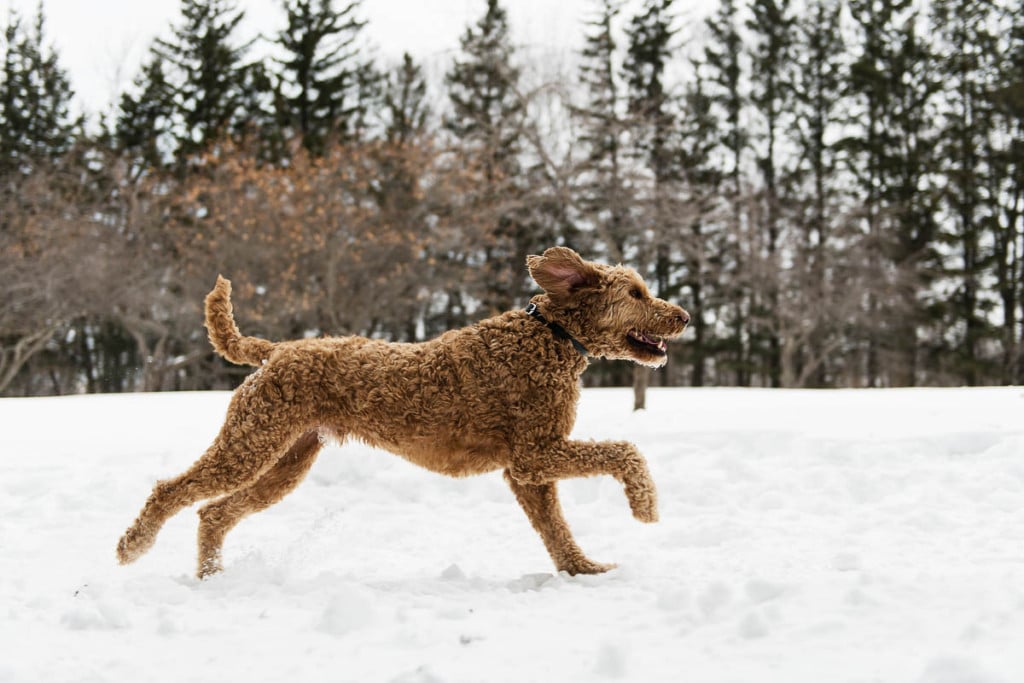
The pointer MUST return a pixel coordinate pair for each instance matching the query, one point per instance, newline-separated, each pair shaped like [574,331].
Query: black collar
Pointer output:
[556,329]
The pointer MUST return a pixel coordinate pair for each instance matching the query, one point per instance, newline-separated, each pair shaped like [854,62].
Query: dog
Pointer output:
[497,395]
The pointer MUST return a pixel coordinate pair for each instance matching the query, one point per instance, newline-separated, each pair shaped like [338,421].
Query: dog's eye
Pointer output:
[636,293]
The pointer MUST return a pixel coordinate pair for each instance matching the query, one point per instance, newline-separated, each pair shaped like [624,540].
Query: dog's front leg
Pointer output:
[540,502]
[567,459]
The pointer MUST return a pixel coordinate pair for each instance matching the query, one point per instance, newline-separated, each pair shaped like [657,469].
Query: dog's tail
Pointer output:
[224,334]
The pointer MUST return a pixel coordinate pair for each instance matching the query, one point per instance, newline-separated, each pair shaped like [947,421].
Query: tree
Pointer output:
[404,100]
[143,121]
[771,29]
[604,177]
[324,80]
[214,91]
[893,83]
[1005,154]
[36,126]
[723,67]
[648,52]
[488,118]
[704,243]
[969,71]
[487,112]
[39,222]
[826,250]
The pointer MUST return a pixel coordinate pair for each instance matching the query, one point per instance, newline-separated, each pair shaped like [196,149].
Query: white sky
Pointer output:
[101,43]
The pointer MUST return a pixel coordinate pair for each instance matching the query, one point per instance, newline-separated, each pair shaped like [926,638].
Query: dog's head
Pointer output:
[608,308]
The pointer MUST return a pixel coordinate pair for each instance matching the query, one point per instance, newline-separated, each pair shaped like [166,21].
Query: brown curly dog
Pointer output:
[500,394]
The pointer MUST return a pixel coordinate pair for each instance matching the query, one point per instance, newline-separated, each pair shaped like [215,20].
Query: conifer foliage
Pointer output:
[214,88]
[36,125]
[323,75]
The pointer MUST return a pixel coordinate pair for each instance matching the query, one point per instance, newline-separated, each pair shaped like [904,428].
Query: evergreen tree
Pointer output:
[723,66]
[487,112]
[723,56]
[649,35]
[1006,178]
[143,123]
[817,94]
[771,30]
[968,70]
[819,73]
[704,242]
[605,197]
[404,100]
[488,119]
[366,102]
[325,79]
[36,126]
[215,91]
[893,81]
[41,225]
[649,52]
[405,114]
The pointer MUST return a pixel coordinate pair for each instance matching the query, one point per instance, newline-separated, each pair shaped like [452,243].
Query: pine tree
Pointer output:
[405,114]
[893,81]
[723,67]
[605,197]
[649,50]
[404,100]
[46,195]
[704,242]
[36,126]
[143,123]
[1005,152]
[968,70]
[819,73]
[771,30]
[487,112]
[488,119]
[325,79]
[216,92]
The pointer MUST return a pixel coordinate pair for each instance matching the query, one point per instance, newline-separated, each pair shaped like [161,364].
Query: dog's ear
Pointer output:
[560,272]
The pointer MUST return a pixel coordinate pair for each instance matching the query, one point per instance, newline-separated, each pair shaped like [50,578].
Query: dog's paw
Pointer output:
[584,566]
[643,501]
[209,566]
[133,545]
[646,512]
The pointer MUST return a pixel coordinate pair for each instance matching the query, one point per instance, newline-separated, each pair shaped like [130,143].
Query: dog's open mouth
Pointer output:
[647,342]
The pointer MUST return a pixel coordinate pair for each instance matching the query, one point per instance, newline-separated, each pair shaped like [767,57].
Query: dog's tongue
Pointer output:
[660,344]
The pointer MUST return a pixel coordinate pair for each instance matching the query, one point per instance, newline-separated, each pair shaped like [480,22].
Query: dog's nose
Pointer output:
[683,317]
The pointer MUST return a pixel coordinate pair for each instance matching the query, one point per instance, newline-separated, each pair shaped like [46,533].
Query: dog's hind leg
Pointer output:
[540,502]
[216,519]
[245,448]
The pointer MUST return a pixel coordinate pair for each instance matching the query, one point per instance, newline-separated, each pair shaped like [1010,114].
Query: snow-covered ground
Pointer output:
[805,536]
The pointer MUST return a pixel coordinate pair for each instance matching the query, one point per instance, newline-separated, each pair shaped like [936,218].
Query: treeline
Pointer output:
[833,188]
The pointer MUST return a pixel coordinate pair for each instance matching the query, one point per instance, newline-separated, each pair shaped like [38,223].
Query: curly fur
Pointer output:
[500,394]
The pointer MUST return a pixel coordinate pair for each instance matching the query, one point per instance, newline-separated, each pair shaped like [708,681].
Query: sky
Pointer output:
[102,43]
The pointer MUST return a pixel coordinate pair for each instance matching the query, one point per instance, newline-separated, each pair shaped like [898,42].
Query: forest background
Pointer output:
[833,188]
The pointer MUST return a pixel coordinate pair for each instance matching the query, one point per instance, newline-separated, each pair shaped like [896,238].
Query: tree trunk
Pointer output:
[641,378]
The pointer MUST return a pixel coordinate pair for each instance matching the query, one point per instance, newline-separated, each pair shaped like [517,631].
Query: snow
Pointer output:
[804,536]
